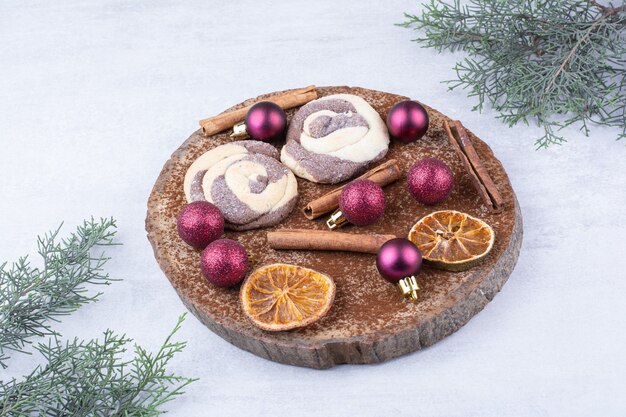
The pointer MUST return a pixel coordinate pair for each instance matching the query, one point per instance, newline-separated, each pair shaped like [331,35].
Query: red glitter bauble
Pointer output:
[430,181]
[266,121]
[200,223]
[407,121]
[362,202]
[224,263]
[398,259]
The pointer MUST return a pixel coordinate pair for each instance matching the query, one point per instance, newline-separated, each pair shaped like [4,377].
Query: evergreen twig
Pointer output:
[554,62]
[81,379]
[78,378]
[31,297]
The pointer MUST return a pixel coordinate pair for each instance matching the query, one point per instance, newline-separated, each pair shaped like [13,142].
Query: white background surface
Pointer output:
[94,96]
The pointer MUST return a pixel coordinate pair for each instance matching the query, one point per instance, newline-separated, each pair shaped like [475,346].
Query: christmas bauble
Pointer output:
[266,121]
[200,223]
[362,202]
[407,121]
[224,263]
[430,181]
[398,259]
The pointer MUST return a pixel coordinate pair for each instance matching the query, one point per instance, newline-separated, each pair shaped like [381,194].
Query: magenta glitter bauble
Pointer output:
[398,259]
[266,121]
[224,263]
[362,202]
[407,121]
[200,223]
[430,181]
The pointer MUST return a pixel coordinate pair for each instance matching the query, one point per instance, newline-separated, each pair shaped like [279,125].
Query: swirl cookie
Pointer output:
[246,181]
[334,138]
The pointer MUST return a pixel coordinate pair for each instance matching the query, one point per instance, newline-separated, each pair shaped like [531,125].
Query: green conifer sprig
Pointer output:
[77,378]
[552,62]
[31,298]
[93,378]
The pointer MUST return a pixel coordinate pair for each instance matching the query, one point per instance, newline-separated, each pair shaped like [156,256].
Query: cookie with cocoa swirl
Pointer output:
[246,181]
[334,138]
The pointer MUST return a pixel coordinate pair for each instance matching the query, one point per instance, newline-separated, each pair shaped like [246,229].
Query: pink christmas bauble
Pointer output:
[224,263]
[398,259]
[266,121]
[407,121]
[430,181]
[200,223]
[362,202]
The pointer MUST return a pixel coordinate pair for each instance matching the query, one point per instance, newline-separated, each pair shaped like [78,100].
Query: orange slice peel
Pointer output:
[452,240]
[280,297]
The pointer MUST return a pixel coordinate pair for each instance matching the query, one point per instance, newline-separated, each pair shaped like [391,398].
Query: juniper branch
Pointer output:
[82,379]
[31,297]
[552,62]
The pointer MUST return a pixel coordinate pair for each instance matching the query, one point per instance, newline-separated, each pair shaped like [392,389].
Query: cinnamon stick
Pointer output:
[287,100]
[305,239]
[382,175]
[486,188]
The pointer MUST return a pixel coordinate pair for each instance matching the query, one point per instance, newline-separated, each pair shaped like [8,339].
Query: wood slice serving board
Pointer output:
[369,321]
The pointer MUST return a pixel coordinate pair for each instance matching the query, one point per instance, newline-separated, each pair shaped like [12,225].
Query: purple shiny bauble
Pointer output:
[200,223]
[362,202]
[407,121]
[266,121]
[397,259]
[430,181]
[224,263]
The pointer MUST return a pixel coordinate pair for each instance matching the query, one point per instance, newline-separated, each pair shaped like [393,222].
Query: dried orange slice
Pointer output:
[452,240]
[282,297]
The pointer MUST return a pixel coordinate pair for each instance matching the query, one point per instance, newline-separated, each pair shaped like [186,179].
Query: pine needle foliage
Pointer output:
[93,378]
[77,378]
[554,62]
[31,298]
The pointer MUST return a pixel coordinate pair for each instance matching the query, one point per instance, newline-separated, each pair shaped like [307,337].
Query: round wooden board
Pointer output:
[369,321]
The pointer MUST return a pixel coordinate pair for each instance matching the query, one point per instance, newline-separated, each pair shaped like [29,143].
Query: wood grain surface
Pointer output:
[370,322]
